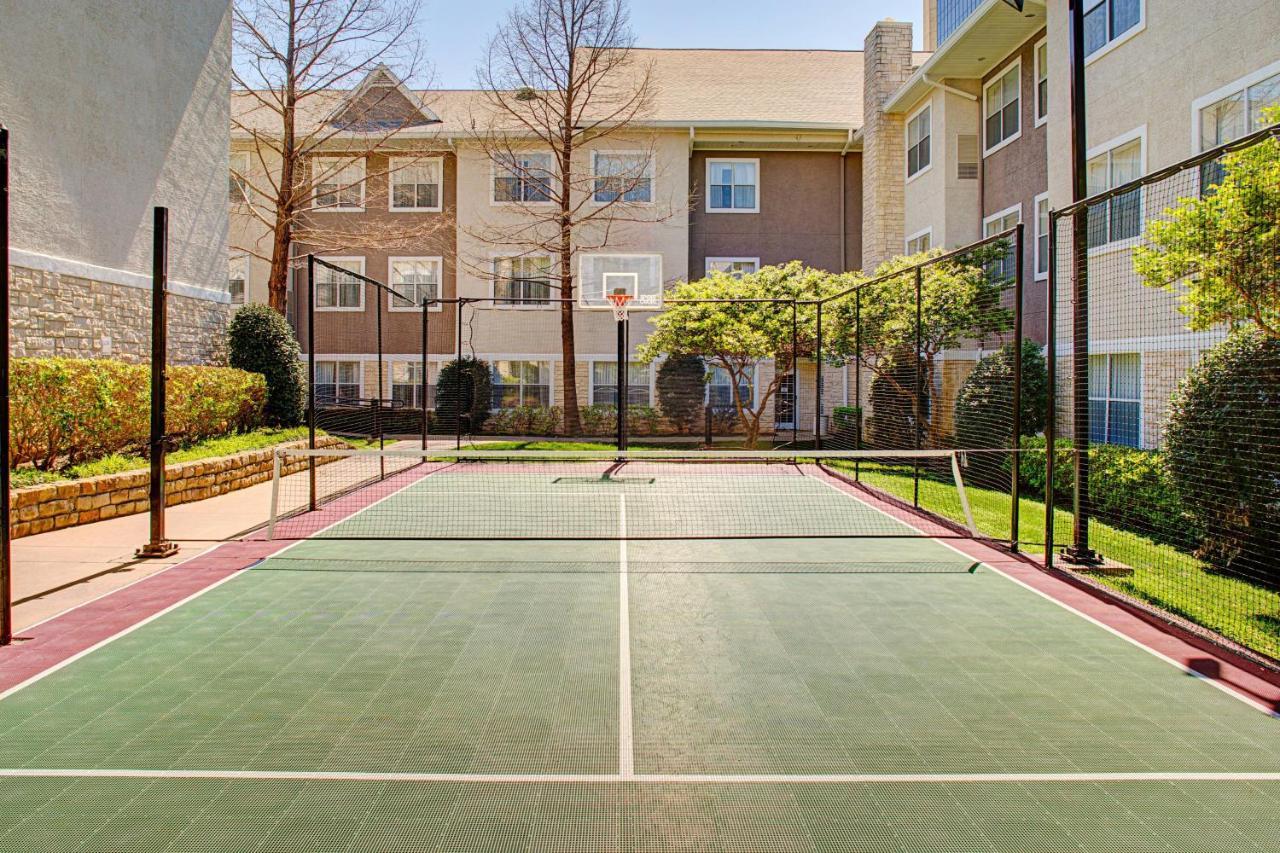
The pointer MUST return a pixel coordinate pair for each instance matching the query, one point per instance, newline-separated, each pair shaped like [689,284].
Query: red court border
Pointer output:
[57,640]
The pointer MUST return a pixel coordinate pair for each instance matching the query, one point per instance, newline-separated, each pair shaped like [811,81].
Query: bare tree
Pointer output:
[561,75]
[297,64]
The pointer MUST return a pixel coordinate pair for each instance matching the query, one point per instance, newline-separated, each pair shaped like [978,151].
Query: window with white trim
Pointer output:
[1119,218]
[1235,115]
[1107,20]
[406,385]
[1003,108]
[338,183]
[239,189]
[720,388]
[1042,81]
[238,278]
[639,275]
[735,267]
[623,176]
[1115,399]
[414,280]
[921,242]
[733,186]
[1005,267]
[523,282]
[604,383]
[337,381]
[521,383]
[918,142]
[415,184]
[1042,236]
[523,178]
[337,291]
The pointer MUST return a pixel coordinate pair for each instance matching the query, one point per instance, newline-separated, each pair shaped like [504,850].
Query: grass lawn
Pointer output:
[1162,575]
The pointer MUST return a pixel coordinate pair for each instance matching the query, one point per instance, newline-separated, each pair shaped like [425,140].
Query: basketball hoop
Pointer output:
[619,301]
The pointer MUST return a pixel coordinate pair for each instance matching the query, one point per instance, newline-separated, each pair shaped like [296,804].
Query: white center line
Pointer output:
[626,759]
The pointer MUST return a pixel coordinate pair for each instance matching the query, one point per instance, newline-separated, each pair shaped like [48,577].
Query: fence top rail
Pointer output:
[1169,171]
[480,454]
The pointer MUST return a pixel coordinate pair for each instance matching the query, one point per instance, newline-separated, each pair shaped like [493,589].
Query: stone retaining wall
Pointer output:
[52,506]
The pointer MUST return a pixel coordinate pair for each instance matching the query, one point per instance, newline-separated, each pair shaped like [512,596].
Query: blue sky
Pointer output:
[457,32]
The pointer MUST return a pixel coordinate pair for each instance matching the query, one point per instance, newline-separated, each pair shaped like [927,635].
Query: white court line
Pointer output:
[651,778]
[626,756]
[1186,670]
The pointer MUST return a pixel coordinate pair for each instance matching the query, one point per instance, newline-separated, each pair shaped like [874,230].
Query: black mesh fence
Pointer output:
[1165,318]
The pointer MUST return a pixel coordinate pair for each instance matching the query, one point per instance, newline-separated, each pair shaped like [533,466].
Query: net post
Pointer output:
[917,407]
[1016,466]
[157,546]
[422,379]
[795,377]
[818,384]
[275,493]
[6,551]
[964,496]
[623,390]
[1051,402]
[311,377]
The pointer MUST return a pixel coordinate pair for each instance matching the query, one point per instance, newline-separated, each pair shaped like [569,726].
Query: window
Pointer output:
[1115,399]
[1003,110]
[521,383]
[639,275]
[1042,82]
[415,184]
[337,291]
[604,383]
[1226,116]
[526,178]
[623,175]
[921,242]
[239,191]
[339,183]
[406,385]
[337,381]
[523,282]
[414,280]
[1042,236]
[1107,20]
[237,278]
[720,388]
[732,186]
[918,137]
[1004,268]
[735,267]
[1119,218]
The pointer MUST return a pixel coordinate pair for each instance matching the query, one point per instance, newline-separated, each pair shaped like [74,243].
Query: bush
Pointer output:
[65,411]
[464,386]
[681,383]
[984,405]
[599,419]
[893,420]
[1223,448]
[845,421]
[643,420]
[259,340]
[526,420]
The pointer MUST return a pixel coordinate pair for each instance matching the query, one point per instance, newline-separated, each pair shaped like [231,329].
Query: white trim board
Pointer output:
[109,275]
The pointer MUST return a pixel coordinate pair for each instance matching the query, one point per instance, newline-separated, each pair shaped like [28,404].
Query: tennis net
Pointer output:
[606,495]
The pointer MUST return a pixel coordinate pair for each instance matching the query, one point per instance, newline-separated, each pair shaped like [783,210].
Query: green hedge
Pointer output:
[260,340]
[66,410]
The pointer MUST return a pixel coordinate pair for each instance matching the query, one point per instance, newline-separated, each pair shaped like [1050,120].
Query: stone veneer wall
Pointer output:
[52,506]
[55,314]
[887,62]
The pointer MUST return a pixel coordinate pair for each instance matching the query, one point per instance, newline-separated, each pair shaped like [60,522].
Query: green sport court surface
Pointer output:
[723,694]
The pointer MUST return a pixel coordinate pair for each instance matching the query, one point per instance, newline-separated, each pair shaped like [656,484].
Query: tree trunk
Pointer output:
[278,281]
[569,368]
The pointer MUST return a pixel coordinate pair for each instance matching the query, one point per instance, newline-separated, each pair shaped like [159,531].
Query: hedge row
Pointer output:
[68,410]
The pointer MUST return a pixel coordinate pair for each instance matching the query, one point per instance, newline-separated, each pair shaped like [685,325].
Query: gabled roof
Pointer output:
[381,102]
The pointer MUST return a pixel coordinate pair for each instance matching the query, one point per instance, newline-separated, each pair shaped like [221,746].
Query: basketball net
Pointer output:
[619,300]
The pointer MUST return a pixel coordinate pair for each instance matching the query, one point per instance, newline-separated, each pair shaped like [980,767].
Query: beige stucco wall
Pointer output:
[937,199]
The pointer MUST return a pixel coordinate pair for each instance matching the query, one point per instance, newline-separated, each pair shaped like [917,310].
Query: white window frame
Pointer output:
[911,238]
[1014,67]
[1138,133]
[1112,44]
[1040,73]
[242,162]
[1035,204]
[357,162]
[335,360]
[339,260]
[707,173]
[591,377]
[927,107]
[707,262]
[648,173]
[536,358]
[755,383]
[1108,399]
[392,171]
[494,201]
[605,306]
[243,262]
[391,363]
[986,220]
[1239,86]
[391,265]
[494,260]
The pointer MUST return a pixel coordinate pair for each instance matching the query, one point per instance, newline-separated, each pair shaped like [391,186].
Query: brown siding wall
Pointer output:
[799,216]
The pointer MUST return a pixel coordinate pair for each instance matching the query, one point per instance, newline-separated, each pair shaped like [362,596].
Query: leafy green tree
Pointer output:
[259,340]
[740,336]
[1219,251]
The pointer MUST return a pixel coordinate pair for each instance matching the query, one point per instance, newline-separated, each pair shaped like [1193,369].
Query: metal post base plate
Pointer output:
[152,550]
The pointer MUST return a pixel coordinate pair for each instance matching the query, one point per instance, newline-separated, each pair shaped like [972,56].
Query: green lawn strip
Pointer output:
[1163,576]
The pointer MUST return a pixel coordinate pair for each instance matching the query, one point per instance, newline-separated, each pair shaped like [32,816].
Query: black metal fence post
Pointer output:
[795,377]
[1016,466]
[422,379]
[377,404]
[158,546]
[819,389]
[311,375]
[459,305]
[1051,396]
[6,553]
[919,403]
[857,381]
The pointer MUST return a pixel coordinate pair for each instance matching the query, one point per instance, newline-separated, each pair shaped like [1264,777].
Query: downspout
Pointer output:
[844,215]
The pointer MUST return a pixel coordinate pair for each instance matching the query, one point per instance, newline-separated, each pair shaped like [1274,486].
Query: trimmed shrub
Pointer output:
[599,418]
[984,406]
[643,420]
[1223,449]
[893,419]
[65,411]
[682,387]
[259,340]
[464,387]
[526,420]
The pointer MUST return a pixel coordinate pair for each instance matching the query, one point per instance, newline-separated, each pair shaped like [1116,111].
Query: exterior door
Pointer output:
[784,403]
